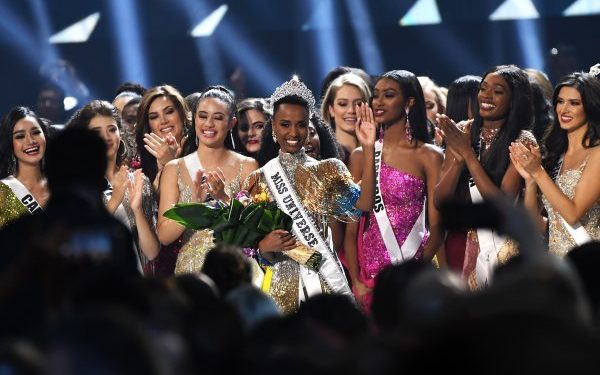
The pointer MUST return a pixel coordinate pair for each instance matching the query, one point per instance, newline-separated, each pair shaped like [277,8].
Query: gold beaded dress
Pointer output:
[11,207]
[326,190]
[560,241]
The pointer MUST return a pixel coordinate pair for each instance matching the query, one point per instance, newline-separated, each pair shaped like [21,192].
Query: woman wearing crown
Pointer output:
[312,193]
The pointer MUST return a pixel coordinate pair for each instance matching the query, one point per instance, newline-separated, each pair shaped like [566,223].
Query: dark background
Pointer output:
[271,39]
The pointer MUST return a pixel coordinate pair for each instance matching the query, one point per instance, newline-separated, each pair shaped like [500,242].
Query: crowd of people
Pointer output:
[446,221]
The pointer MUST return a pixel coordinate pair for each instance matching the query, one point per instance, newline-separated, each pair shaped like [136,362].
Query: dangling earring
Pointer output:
[407,129]
[232,141]
[12,165]
[274,137]
[381,133]
[197,141]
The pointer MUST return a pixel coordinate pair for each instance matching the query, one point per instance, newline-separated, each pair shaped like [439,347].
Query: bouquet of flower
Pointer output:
[243,223]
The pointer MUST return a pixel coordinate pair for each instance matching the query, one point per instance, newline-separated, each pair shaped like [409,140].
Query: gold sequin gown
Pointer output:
[11,207]
[196,243]
[508,250]
[326,190]
[560,241]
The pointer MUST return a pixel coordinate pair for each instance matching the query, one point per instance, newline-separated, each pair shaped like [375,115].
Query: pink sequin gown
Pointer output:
[403,196]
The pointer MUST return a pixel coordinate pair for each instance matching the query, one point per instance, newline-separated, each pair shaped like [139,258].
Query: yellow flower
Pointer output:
[260,198]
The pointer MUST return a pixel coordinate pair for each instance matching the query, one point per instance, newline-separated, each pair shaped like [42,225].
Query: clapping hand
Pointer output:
[163,149]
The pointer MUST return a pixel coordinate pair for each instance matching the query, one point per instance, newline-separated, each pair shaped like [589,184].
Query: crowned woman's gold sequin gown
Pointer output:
[560,241]
[326,190]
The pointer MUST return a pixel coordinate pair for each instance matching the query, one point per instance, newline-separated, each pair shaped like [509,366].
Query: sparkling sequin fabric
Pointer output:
[560,241]
[10,206]
[403,196]
[195,244]
[150,208]
[326,189]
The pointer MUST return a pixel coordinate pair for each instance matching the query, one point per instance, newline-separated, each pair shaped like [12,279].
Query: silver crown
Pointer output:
[595,70]
[293,87]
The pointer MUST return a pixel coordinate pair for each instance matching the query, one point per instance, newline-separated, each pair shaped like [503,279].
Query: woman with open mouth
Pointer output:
[247,134]
[23,188]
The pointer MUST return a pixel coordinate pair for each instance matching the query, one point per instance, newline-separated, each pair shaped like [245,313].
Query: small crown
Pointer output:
[293,87]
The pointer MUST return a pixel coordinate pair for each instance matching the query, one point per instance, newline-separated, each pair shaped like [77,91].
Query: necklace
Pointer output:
[488,136]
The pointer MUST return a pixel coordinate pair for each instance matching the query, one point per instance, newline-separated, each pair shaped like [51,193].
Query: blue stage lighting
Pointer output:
[364,34]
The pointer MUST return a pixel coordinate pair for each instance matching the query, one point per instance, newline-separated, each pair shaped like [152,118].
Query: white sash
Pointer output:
[306,232]
[413,241]
[192,163]
[577,231]
[490,243]
[24,196]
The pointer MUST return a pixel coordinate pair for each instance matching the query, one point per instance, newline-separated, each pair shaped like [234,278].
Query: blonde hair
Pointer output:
[345,79]
[440,97]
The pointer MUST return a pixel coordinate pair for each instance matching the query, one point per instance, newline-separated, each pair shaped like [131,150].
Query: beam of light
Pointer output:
[78,32]
[423,12]
[529,41]
[42,19]
[582,8]
[16,32]
[515,10]
[209,24]
[126,26]
[324,28]
[364,33]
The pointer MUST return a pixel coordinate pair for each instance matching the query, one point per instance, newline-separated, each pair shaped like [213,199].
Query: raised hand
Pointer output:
[457,137]
[277,240]
[163,149]
[529,159]
[200,188]
[216,185]
[119,184]
[135,190]
[366,127]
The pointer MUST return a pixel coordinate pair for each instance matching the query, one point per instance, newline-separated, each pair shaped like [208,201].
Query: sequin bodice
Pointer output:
[560,241]
[11,207]
[403,196]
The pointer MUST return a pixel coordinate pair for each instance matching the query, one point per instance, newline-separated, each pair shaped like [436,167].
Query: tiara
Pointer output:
[293,87]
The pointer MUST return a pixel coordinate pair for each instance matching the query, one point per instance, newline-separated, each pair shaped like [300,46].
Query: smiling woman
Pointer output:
[314,193]
[213,172]
[128,196]
[22,146]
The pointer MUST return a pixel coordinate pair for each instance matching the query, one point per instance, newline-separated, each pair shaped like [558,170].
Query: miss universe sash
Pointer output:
[306,232]
[413,241]
[24,196]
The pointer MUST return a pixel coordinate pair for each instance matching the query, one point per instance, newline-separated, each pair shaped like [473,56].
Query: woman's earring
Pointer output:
[274,137]
[407,129]
[12,164]
[232,141]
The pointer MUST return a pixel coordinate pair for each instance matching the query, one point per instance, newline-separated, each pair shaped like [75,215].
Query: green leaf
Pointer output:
[192,215]
[265,224]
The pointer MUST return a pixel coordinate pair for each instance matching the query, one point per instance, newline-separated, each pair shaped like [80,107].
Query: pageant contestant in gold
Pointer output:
[313,193]
[22,145]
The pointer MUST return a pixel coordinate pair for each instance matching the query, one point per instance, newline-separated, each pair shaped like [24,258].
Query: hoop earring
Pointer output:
[407,129]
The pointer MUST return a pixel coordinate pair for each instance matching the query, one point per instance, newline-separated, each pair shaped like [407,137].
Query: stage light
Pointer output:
[514,10]
[583,8]
[364,34]
[78,32]
[529,37]
[127,33]
[209,24]
[323,26]
[423,12]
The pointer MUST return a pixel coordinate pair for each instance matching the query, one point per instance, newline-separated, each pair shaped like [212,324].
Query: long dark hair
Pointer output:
[329,146]
[462,96]
[83,117]
[269,149]
[555,140]
[7,153]
[520,117]
[410,87]
[142,126]
[217,92]
[243,106]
